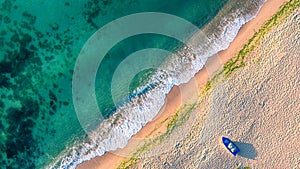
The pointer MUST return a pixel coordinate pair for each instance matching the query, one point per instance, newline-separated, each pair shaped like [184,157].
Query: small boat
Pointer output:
[230,146]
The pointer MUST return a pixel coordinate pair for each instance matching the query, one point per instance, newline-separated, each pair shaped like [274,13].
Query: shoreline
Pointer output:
[183,92]
[255,106]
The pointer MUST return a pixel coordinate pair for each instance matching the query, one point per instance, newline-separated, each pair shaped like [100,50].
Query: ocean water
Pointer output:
[40,42]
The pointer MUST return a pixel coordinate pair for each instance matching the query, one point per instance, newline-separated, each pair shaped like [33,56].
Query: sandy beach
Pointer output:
[252,133]
[257,107]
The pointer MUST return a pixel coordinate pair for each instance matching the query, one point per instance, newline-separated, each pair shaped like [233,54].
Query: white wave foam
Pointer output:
[115,132]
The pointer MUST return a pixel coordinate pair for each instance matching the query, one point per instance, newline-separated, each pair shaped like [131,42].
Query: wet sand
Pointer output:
[186,92]
[257,107]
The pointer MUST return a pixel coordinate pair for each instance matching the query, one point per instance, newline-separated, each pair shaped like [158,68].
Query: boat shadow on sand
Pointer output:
[247,150]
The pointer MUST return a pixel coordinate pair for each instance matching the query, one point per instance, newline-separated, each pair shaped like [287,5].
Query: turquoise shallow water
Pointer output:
[39,44]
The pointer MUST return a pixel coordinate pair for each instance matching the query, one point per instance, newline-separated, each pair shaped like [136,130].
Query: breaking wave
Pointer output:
[146,101]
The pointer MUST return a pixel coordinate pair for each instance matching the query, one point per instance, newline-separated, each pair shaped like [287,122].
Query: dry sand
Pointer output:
[258,107]
[174,101]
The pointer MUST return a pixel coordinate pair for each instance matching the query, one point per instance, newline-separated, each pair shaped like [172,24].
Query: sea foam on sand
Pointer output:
[128,119]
